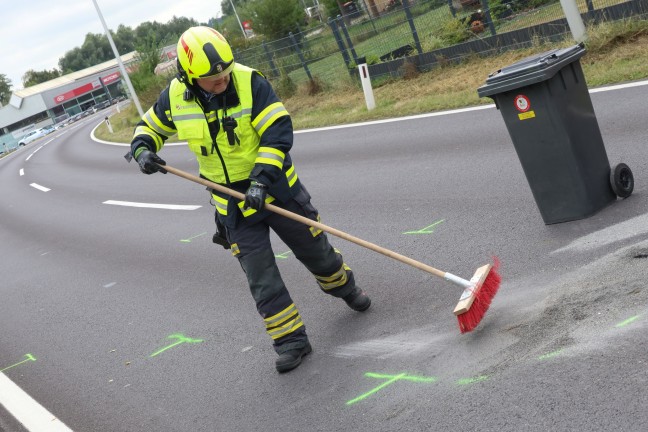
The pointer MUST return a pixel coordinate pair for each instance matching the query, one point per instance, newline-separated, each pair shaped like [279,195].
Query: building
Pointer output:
[56,100]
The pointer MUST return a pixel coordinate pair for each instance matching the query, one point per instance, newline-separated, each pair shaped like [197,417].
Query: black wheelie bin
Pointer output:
[549,115]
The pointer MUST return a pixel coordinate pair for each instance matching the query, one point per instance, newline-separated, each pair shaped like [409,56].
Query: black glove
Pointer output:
[255,196]
[150,162]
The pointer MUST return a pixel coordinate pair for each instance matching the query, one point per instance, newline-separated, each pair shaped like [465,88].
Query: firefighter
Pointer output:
[241,135]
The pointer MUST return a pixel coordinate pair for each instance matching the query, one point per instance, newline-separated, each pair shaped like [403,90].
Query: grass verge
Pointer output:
[616,53]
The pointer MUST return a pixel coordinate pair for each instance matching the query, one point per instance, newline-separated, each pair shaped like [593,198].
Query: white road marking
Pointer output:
[33,416]
[621,231]
[619,86]
[39,187]
[22,172]
[391,120]
[149,205]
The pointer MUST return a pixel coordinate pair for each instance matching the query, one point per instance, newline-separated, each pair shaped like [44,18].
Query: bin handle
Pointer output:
[549,59]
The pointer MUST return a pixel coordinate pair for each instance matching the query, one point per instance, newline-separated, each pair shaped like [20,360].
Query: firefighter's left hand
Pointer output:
[255,196]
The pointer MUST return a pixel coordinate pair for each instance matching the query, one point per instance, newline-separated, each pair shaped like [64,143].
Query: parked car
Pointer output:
[74,118]
[31,136]
[49,129]
[101,105]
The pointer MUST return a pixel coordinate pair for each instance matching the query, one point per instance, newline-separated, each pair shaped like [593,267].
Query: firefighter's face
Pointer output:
[214,85]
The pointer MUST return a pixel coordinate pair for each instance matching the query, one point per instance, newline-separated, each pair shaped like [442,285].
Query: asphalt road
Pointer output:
[118,318]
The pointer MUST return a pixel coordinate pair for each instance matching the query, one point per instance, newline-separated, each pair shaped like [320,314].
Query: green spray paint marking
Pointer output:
[473,380]
[390,380]
[550,355]
[181,339]
[283,255]
[628,321]
[191,238]
[29,358]
[427,230]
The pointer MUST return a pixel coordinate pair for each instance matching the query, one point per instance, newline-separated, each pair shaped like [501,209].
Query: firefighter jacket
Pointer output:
[244,133]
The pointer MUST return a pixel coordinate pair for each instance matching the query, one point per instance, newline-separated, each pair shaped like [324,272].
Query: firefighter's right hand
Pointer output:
[150,162]
[255,196]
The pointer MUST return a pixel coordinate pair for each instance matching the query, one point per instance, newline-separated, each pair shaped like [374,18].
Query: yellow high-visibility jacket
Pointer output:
[260,149]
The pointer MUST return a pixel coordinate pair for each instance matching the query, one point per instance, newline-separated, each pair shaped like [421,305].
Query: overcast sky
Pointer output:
[34,34]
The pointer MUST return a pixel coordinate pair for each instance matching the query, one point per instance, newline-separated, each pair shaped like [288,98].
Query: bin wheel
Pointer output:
[622,180]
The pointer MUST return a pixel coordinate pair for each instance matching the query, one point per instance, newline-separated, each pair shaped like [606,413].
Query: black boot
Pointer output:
[357,300]
[291,359]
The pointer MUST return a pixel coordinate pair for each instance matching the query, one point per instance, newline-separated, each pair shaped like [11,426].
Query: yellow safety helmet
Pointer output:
[203,52]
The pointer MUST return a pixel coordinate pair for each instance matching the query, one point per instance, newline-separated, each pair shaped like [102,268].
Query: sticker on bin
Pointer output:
[523,105]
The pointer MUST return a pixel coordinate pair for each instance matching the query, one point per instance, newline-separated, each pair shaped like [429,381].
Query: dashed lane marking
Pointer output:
[39,187]
[151,205]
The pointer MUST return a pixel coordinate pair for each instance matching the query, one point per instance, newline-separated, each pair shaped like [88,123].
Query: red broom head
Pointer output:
[483,296]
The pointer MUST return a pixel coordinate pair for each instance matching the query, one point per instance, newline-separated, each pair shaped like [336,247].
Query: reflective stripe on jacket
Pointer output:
[191,124]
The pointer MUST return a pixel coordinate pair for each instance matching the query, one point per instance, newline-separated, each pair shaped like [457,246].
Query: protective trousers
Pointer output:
[251,245]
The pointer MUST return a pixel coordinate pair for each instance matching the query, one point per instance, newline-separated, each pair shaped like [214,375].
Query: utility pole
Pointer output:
[238,19]
[118,58]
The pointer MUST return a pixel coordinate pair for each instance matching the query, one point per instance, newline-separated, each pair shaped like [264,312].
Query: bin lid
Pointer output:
[531,70]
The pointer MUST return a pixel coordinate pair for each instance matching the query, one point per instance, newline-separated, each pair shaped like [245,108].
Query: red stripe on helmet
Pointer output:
[220,36]
[187,50]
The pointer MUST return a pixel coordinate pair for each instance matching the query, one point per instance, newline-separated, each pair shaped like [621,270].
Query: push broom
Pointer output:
[478,291]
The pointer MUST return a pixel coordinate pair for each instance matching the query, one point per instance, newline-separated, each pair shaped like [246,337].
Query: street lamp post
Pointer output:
[238,19]
[118,58]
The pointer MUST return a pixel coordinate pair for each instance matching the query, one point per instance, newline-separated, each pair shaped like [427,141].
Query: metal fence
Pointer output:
[423,32]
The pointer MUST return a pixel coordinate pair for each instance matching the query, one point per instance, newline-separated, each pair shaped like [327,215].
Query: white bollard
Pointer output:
[366,86]
[110,129]
[574,20]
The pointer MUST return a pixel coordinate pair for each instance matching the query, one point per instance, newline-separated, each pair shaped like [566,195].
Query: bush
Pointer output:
[284,86]
[452,31]
[409,70]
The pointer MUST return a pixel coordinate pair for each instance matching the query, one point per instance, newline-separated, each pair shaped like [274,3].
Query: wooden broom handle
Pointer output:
[309,222]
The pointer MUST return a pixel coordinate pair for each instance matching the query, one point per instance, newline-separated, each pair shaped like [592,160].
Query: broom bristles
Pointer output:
[483,297]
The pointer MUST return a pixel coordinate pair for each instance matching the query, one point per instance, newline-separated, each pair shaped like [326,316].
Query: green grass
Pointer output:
[616,52]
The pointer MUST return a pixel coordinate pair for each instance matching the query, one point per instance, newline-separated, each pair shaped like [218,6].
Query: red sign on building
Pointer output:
[86,88]
[110,78]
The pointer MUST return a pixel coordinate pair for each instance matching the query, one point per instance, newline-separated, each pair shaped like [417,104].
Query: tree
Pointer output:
[175,27]
[276,18]
[96,49]
[226,6]
[5,89]
[148,57]
[124,39]
[332,7]
[32,77]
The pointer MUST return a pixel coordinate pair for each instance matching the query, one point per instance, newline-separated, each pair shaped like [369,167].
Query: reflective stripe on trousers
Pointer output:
[254,251]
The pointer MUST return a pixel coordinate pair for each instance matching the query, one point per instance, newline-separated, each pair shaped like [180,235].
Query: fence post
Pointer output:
[453,11]
[348,40]
[301,56]
[489,19]
[590,5]
[275,72]
[338,39]
[410,20]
